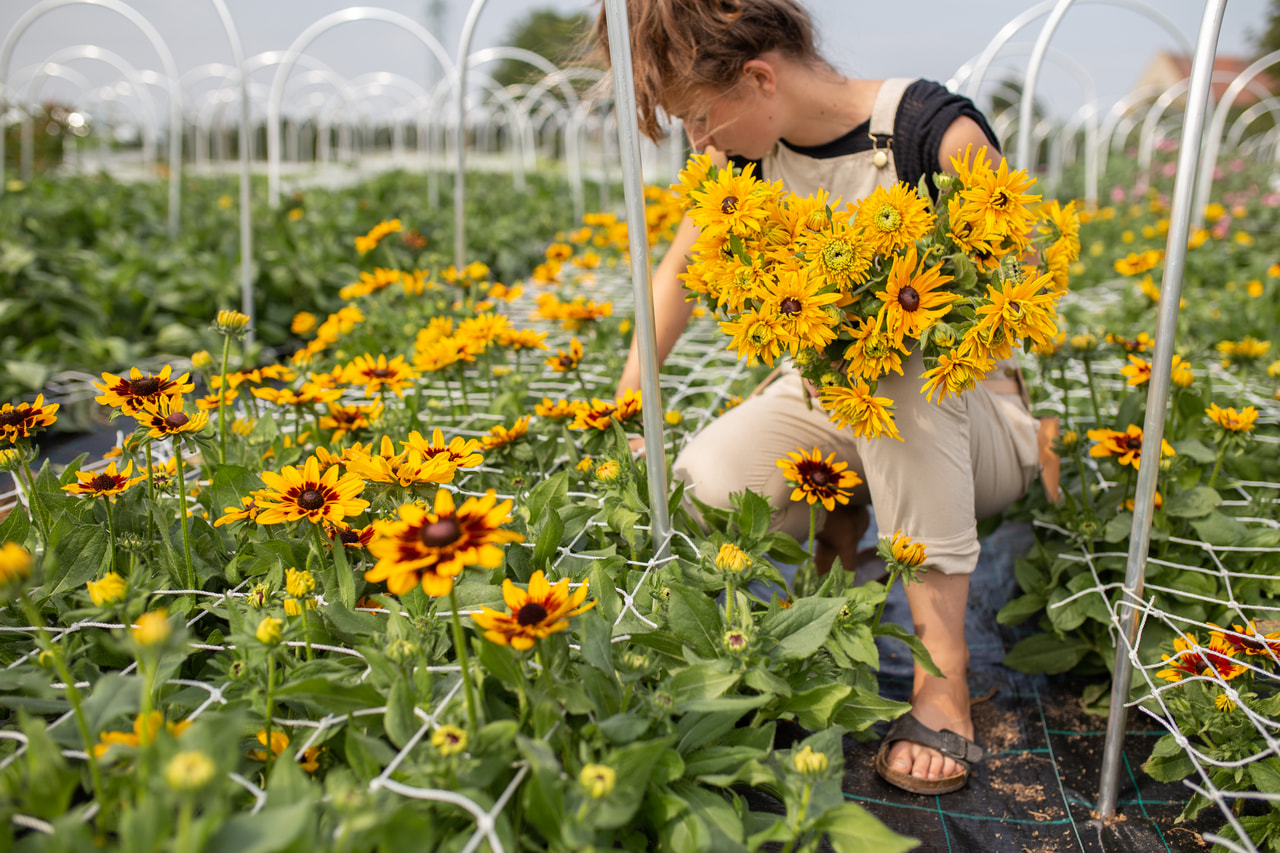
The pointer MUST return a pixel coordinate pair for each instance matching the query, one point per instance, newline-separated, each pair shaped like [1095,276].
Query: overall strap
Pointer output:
[885,108]
[883,113]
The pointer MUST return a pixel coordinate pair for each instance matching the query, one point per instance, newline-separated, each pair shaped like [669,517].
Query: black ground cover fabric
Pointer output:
[1038,785]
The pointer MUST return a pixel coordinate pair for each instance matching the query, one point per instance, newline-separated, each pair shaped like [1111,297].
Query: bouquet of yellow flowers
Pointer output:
[850,294]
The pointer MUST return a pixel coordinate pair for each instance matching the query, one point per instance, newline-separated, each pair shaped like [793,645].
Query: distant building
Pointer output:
[1167,68]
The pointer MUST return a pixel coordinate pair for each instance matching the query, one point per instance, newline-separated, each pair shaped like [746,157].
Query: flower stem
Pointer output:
[185,812]
[73,694]
[182,514]
[1093,394]
[1217,465]
[1084,482]
[111,532]
[893,576]
[33,504]
[460,641]
[151,475]
[222,403]
[729,593]
[271,705]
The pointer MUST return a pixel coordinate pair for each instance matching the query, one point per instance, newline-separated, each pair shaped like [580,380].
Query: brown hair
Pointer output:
[680,45]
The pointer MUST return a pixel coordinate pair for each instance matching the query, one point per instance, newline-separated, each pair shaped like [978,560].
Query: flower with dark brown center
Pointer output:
[818,480]
[25,419]
[790,305]
[432,546]
[541,610]
[104,484]
[729,205]
[909,298]
[129,394]
[531,614]
[146,387]
[164,417]
[440,533]
[294,495]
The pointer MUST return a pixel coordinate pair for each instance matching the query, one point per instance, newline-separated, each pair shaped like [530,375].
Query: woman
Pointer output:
[745,78]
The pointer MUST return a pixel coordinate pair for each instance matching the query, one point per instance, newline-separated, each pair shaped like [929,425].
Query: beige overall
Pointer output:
[960,461]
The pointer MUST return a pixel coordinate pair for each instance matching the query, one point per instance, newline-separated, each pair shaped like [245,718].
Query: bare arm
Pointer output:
[671,311]
[962,132]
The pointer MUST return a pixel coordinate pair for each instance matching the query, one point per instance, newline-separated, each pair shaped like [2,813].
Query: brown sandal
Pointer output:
[954,746]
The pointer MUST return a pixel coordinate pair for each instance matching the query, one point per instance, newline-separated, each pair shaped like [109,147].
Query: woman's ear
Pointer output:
[760,74]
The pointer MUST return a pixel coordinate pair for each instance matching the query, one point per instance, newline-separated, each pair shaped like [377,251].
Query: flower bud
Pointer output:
[598,779]
[152,628]
[810,763]
[231,322]
[15,564]
[270,631]
[106,591]
[449,740]
[189,771]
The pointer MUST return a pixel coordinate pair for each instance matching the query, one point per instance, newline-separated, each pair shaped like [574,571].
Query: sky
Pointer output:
[1110,42]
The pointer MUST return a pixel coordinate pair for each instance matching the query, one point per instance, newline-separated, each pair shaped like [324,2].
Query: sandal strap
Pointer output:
[950,744]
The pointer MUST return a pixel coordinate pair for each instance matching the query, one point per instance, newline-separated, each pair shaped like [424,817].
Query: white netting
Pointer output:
[699,379]
[1207,577]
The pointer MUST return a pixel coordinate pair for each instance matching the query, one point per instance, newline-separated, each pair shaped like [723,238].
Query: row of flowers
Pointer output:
[278,557]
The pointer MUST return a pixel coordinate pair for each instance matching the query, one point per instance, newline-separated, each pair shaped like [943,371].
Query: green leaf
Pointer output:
[1118,528]
[852,829]
[268,831]
[1193,503]
[1219,529]
[660,641]
[551,492]
[695,620]
[754,515]
[814,708]
[624,728]
[862,708]
[1266,775]
[1168,762]
[548,540]
[801,629]
[1195,450]
[595,642]
[501,663]
[400,721]
[32,374]
[1046,653]
[15,526]
[701,681]
[80,556]
[918,652]
[1021,608]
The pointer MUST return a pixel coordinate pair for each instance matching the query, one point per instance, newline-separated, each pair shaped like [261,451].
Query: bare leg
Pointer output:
[839,537]
[938,605]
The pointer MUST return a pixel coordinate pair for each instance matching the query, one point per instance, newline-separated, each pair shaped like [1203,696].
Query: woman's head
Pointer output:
[683,50]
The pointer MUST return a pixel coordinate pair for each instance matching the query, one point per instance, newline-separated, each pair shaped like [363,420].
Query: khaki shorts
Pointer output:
[960,461]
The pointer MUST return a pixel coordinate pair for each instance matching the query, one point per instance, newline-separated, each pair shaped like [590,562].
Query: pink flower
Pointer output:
[1271,199]
[1168,169]
[1217,172]
[1236,164]
[1117,195]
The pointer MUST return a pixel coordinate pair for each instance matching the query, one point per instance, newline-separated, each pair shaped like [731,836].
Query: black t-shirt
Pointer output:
[925,112]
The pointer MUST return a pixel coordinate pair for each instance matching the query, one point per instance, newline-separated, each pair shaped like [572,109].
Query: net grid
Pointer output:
[699,369]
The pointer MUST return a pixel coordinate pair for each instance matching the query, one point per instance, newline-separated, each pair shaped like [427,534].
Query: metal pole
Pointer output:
[1157,398]
[624,105]
[246,224]
[1026,110]
[460,134]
